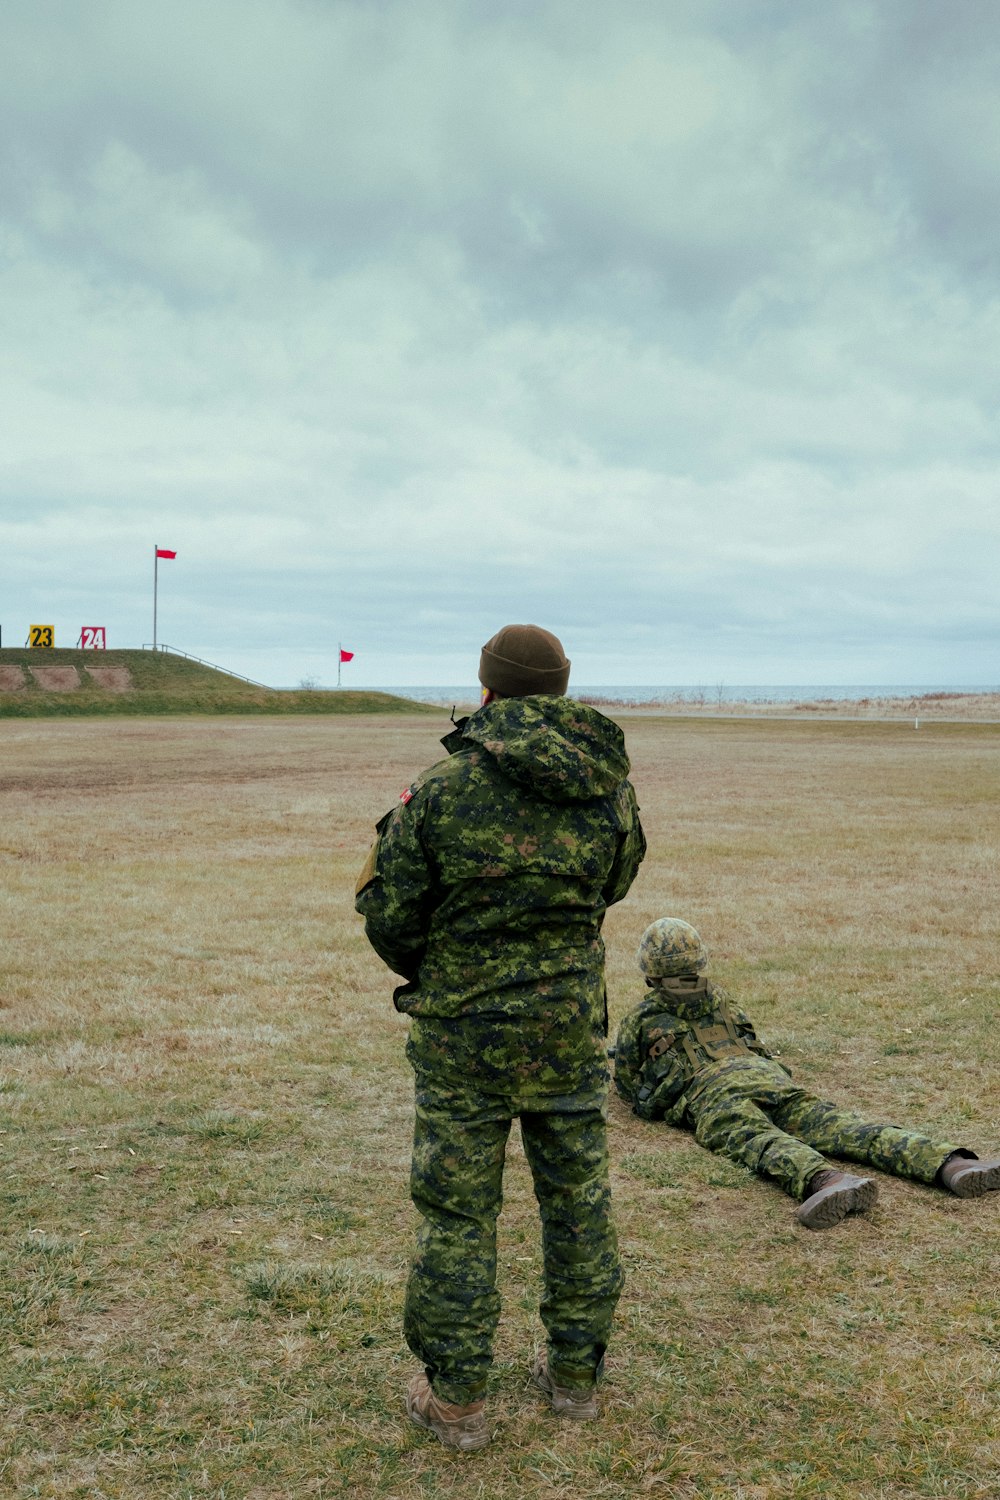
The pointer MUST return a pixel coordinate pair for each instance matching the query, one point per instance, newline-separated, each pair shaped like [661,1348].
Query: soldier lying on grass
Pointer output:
[687,1056]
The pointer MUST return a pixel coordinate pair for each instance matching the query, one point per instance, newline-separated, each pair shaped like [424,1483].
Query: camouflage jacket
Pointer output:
[660,1061]
[487,886]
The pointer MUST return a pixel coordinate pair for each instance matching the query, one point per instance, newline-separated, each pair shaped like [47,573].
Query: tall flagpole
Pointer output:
[340,650]
[156,568]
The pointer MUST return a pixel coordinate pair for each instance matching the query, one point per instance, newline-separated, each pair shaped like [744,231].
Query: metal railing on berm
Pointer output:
[176,651]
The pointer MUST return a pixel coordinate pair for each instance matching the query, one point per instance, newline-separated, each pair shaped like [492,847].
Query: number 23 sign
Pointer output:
[42,635]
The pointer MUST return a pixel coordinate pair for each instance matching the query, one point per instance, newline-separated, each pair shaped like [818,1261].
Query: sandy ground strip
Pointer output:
[112,679]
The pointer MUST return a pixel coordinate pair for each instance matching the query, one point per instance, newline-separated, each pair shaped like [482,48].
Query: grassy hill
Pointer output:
[70,683]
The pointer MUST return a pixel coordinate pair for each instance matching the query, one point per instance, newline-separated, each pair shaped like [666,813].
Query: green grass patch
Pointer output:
[163,683]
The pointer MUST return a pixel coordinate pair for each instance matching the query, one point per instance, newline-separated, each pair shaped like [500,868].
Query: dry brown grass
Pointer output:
[56,679]
[206,1114]
[939,707]
[112,679]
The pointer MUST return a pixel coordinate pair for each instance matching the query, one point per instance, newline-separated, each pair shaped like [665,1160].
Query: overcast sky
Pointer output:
[672,325]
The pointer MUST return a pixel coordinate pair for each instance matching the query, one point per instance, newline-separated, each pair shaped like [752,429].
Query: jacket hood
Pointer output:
[561,750]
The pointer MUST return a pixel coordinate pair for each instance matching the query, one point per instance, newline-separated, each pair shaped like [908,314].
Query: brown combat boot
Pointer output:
[578,1402]
[968,1177]
[462,1427]
[831,1195]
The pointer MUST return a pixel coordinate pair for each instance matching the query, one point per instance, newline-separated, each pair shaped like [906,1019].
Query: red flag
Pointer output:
[346,655]
[163,552]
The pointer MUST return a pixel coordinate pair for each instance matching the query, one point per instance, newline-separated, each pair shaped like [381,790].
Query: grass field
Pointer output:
[206,1110]
[65,683]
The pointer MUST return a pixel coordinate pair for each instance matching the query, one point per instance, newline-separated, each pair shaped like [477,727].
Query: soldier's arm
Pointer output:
[628,1058]
[652,1083]
[631,848]
[395,890]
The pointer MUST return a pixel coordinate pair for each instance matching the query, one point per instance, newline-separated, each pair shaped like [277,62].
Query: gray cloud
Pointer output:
[672,323]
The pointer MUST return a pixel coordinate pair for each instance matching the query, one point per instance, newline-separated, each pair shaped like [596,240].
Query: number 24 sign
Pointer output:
[92,637]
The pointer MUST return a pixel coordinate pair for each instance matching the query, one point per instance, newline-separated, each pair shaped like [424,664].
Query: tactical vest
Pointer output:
[712,1036]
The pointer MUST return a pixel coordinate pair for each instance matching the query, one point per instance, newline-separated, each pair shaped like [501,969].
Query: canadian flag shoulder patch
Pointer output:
[406,795]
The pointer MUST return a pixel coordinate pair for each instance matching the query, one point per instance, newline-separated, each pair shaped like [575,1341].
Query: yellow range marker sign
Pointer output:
[42,635]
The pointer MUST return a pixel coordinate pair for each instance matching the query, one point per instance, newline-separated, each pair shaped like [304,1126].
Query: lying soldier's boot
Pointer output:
[462,1427]
[831,1195]
[578,1402]
[968,1177]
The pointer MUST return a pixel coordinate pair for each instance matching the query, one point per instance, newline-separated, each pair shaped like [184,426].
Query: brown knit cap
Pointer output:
[524,659]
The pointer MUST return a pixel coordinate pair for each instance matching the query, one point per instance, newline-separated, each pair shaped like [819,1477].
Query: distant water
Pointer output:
[708,693]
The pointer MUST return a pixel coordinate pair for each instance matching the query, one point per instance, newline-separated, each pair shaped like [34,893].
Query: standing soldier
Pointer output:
[687,1056]
[486,890]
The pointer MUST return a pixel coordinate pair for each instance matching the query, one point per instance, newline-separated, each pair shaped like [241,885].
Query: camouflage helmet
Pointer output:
[670,947]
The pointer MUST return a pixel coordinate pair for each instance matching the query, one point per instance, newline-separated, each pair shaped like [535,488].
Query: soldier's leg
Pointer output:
[735,1124]
[845,1133]
[567,1151]
[452,1304]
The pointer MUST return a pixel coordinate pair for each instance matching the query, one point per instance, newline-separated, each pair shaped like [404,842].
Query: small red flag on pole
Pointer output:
[158,552]
[342,656]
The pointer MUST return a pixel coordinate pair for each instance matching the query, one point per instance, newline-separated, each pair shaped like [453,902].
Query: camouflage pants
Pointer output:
[750,1111]
[452,1304]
